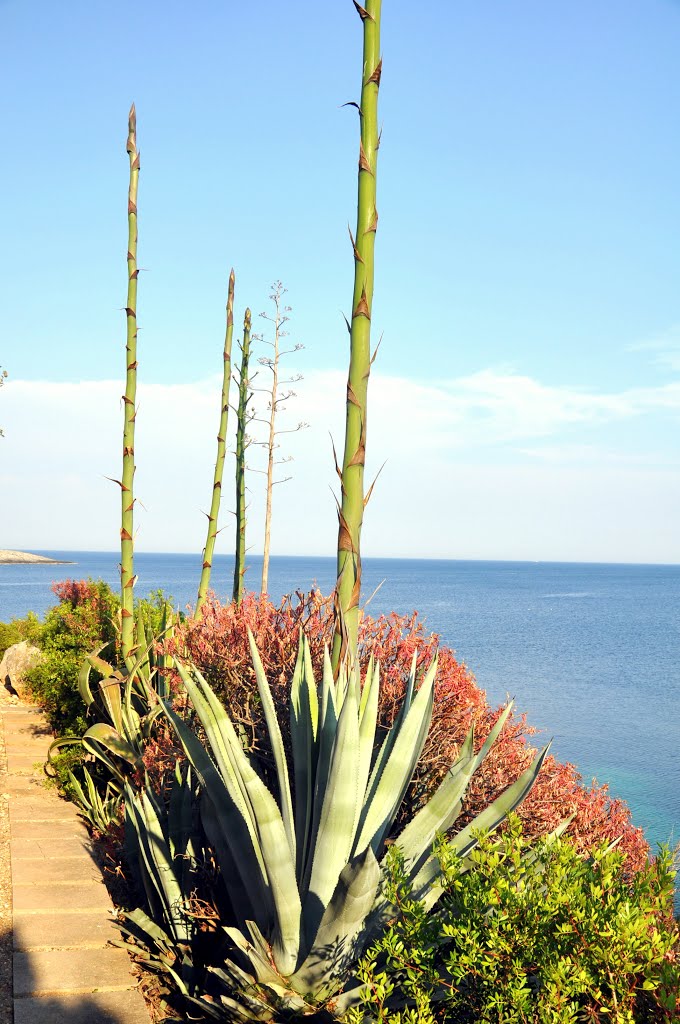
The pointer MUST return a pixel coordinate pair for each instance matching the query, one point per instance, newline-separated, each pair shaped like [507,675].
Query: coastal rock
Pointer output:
[17,660]
[8,557]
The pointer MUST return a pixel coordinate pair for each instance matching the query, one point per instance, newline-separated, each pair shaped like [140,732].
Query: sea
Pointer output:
[590,652]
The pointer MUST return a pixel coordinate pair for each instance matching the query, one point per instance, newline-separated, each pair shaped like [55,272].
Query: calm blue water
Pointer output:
[591,652]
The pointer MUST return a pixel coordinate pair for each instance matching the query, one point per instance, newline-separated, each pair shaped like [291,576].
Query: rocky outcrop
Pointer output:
[26,558]
[17,660]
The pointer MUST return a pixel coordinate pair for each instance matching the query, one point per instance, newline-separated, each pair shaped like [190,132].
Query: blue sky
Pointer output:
[527,277]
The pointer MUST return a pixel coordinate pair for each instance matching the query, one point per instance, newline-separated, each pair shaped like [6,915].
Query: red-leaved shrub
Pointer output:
[218,646]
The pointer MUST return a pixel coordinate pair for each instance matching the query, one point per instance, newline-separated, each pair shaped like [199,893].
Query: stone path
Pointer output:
[64,971]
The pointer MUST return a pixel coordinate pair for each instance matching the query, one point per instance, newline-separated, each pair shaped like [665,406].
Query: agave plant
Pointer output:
[303,872]
[161,851]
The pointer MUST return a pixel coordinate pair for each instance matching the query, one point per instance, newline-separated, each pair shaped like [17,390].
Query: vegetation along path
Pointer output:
[63,968]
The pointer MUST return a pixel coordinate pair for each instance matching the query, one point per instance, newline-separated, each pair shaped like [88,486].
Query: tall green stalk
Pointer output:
[127,577]
[219,461]
[351,510]
[242,420]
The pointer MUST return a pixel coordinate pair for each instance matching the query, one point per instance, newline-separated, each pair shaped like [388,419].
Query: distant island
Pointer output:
[25,558]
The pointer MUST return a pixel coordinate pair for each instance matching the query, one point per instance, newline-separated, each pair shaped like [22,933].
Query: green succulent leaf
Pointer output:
[385,796]
[276,740]
[102,735]
[333,947]
[337,822]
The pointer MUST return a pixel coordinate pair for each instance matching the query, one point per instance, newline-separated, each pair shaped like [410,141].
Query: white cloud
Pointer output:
[468,474]
[665,348]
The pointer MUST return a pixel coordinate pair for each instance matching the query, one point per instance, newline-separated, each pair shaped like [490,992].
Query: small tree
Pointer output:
[278,394]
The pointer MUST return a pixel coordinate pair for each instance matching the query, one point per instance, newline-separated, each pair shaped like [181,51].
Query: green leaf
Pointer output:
[486,821]
[276,741]
[111,740]
[333,947]
[439,814]
[238,849]
[266,820]
[382,803]
[304,757]
[333,842]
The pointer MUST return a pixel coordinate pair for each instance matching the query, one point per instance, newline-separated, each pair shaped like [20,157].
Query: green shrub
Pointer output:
[83,620]
[16,630]
[542,937]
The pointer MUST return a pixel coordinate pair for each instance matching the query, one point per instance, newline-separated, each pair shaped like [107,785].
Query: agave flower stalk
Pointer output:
[351,511]
[221,451]
[241,444]
[127,576]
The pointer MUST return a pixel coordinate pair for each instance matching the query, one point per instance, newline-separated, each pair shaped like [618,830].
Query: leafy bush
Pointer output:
[83,620]
[218,645]
[529,935]
[16,630]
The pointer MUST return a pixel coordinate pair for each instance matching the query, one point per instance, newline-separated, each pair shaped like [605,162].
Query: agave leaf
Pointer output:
[101,666]
[227,827]
[136,840]
[132,727]
[93,747]
[333,947]
[328,680]
[248,1005]
[109,738]
[392,733]
[162,860]
[144,926]
[368,715]
[491,817]
[78,790]
[180,814]
[333,842]
[383,802]
[224,745]
[276,743]
[109,690]
[279,869]
[327,734]
[304,757]
[440,812]
[84,681]
[364,691]
[486,821]
[264,971]
[309,683]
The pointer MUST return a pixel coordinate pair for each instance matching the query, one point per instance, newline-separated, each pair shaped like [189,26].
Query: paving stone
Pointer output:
[20,754]
[95,1008]
[58,930]
[29,734]
[58,828]
[20,764]
[76,868]
[67,897]
[64,970]
[41,849]
[26,784]
[39,808]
